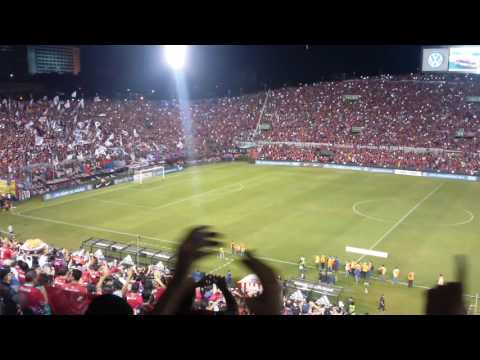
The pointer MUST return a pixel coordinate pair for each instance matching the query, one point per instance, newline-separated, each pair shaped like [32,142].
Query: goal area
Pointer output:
[141,175]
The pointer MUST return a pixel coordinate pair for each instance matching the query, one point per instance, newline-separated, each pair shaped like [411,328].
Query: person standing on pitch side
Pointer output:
[381,304]
[395,275]
[411,278]
[441,280]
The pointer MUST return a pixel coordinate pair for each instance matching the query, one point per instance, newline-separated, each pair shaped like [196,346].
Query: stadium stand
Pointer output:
[419,122]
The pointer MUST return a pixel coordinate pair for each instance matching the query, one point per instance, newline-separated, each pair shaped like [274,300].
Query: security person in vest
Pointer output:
[410,277]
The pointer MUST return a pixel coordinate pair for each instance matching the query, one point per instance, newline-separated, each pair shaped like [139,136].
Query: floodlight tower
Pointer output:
[175,56]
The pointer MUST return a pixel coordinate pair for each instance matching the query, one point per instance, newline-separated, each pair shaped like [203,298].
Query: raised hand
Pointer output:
[270,301]
[193,247]
[180,290]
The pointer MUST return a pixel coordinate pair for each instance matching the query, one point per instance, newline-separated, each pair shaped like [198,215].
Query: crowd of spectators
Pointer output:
[412,112]
[36,279]
[37,136]
[416,111]
[443,162]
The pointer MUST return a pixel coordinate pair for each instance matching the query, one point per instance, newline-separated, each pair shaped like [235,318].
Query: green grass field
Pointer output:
[283,213]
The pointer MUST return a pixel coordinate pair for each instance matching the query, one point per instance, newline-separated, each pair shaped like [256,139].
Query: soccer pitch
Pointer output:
[282,213]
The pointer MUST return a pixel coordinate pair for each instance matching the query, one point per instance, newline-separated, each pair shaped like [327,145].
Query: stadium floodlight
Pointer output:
[175,56]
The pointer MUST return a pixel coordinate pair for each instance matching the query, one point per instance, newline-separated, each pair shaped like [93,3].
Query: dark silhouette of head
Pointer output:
[109,305]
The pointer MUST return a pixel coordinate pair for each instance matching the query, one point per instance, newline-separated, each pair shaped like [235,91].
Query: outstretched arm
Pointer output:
[191,249]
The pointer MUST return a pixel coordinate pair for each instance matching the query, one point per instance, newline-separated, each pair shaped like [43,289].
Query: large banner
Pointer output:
[66,192]
[472,99]
[351,97]
[8,187]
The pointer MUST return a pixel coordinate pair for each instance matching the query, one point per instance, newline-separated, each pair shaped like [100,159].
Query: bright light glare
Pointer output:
[175,56]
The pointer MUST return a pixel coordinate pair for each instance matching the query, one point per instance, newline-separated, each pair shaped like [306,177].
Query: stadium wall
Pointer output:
[369,169]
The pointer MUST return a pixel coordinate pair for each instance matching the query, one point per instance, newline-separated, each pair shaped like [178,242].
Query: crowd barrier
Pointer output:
[369,169]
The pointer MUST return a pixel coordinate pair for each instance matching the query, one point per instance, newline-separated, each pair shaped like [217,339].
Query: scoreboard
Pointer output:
[456,59]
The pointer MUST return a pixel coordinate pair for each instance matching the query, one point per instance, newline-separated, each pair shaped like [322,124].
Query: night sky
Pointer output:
[213,70]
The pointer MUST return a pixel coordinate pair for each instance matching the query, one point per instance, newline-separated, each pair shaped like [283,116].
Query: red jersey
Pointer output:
[75,288]
[135,300]
[91,277]
[31,297]
[5,253]
[60,281]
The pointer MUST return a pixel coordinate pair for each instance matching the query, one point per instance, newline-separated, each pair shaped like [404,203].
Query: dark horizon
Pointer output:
[222,70]
[216,69]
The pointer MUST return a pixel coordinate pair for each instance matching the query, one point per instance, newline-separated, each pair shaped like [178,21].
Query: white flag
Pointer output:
[67,104]
[81,104]
[160,266]
[58,107]
[80,253]
[74,94]
[38,140]
[56,100]
[99,254]
[127,261]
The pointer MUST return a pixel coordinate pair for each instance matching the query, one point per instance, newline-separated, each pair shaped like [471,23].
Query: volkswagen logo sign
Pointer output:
[435,60]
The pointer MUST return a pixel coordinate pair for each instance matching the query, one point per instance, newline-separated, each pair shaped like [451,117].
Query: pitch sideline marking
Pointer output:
[94,228]
[402,219]
[221,266]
